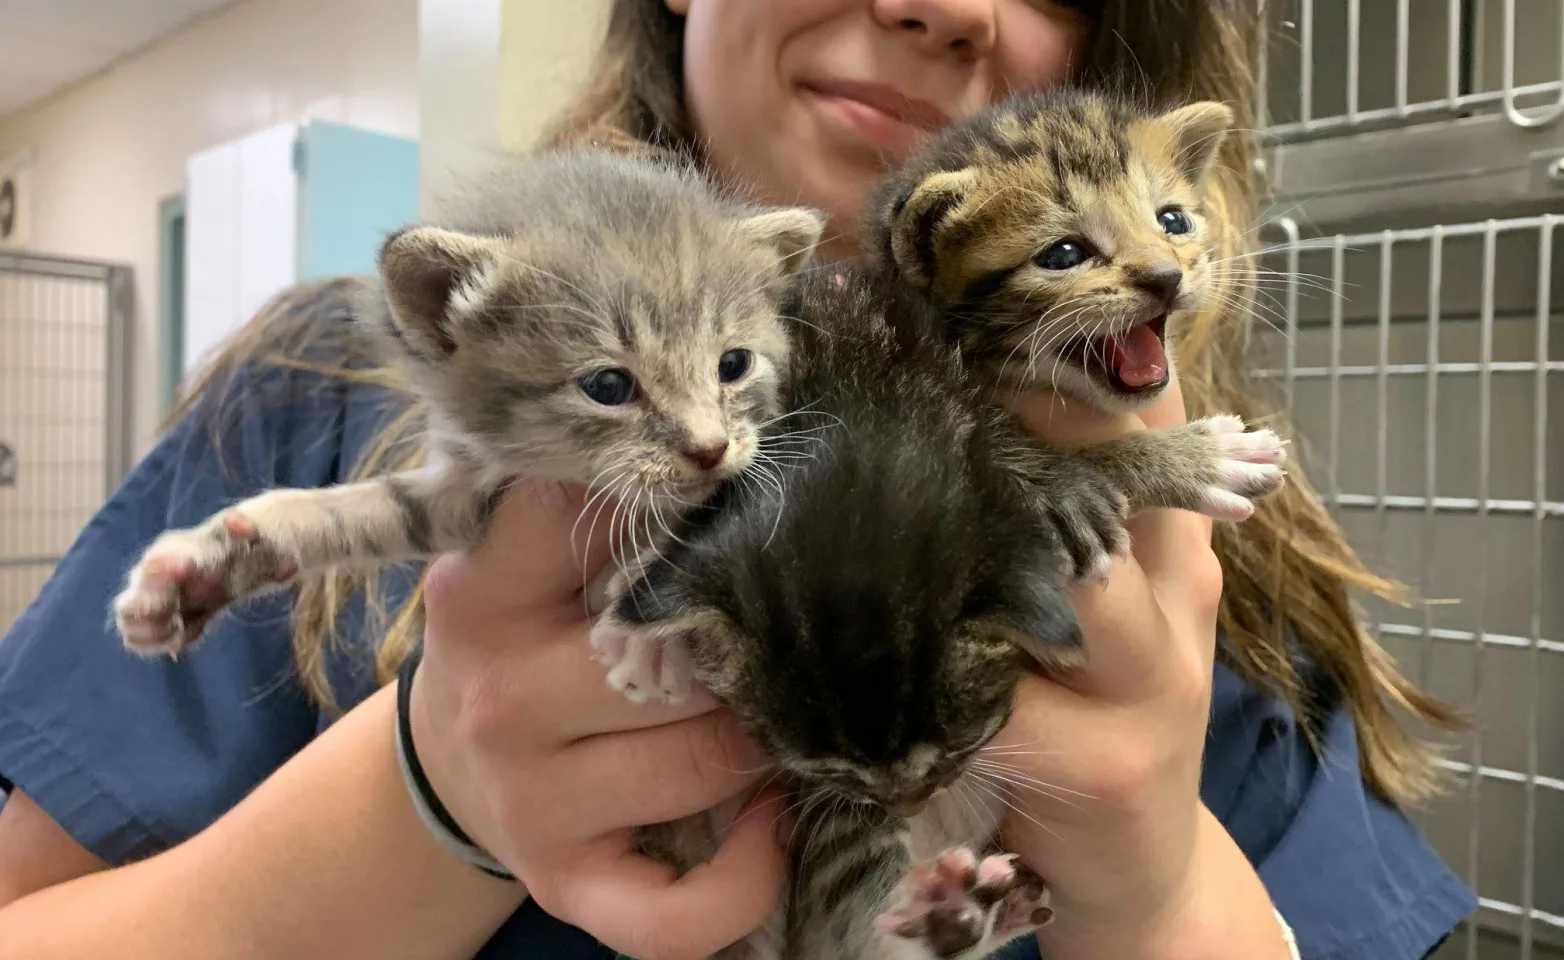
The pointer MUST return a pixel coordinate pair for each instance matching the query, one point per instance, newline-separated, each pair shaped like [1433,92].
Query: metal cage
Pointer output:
[1411,296]
[65,330]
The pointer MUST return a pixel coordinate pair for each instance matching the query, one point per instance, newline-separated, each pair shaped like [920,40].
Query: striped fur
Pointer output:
[547,269]
[865,598]
[969,218]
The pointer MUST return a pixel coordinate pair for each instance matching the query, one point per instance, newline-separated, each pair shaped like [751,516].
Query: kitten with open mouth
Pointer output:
[1132,364]
[1062,236]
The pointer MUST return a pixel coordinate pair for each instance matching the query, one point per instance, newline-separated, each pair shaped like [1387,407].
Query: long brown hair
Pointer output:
[1289,572]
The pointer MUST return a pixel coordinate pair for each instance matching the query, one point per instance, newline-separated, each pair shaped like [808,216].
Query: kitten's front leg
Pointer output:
[1215,466]
[1211,466]
[645,653]
[186,577]
[962,907]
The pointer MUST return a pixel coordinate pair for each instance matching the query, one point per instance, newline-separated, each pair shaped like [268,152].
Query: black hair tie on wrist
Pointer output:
[430,810]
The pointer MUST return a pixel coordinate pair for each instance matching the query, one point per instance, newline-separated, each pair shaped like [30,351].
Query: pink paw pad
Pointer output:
[188,576]
[959,902]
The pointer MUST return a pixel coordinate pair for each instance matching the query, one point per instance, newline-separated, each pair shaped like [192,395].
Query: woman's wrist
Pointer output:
[441,825]
[1220,912]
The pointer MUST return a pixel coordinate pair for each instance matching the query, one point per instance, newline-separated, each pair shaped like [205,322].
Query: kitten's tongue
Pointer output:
[1137,357]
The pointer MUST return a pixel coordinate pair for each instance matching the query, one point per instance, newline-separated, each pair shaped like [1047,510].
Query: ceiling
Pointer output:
[48,44]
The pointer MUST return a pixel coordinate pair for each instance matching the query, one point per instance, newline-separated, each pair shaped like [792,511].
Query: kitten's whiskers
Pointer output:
[1010,805]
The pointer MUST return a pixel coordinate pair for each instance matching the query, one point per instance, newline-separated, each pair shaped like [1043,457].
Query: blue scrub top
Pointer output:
[132,756]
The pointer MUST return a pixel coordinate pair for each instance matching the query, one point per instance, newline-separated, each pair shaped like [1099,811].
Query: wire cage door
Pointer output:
[64,410]
[1412,292]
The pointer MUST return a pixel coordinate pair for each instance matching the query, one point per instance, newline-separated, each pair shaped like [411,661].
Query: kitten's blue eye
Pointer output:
[734,364]
[1063,255]
[1175,221]
[610,386]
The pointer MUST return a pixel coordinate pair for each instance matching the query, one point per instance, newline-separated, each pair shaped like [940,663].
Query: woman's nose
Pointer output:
[939,26]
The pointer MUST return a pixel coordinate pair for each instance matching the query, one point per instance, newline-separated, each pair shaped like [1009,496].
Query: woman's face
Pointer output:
[808,101]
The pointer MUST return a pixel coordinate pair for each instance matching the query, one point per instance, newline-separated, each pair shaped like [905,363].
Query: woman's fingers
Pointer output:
[643,910]
[1173,550]
[558,693]
[1126,635]
[542,547]
[1173,547]
[1165,593]
[657,774]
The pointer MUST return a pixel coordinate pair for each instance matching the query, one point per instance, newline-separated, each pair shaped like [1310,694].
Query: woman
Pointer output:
[1199,803]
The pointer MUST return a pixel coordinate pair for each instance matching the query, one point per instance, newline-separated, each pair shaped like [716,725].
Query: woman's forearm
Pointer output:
[1225,914]
[326,858]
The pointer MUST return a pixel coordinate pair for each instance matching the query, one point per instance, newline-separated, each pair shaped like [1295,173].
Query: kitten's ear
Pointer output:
[421,267]
[793,232]
[1198,131]
[919,217]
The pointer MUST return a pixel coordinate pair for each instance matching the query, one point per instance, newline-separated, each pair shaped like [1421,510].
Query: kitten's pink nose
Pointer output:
[708,458]
[1161,280]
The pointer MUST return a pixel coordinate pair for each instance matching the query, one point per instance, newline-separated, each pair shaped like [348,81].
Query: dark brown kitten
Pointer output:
[865,597]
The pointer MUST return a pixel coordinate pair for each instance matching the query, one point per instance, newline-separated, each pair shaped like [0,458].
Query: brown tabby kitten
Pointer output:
[1062,236]
[582,317]
[865,596]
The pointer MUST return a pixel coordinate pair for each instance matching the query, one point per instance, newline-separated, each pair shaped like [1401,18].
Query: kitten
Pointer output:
[865,597]
[1063,236]
[581,317]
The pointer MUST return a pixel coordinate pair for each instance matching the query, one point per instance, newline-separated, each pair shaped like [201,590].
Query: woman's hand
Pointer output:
[551,770]
[1104,760]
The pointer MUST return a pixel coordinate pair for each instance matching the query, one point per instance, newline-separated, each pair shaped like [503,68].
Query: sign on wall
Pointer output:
[15,201]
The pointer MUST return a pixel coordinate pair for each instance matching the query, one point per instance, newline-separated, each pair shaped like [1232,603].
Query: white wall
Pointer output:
[241,236]
[494,73]
[108,150]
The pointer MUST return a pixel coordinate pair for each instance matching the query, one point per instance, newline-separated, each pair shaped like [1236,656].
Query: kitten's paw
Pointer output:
[1092,535]
[1249,466]
[187,577]
[641,667]
[959,903]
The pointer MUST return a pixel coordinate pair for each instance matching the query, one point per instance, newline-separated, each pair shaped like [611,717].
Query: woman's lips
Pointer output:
[877,114]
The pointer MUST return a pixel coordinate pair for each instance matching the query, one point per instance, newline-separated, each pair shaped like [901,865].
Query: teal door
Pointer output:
[355,186]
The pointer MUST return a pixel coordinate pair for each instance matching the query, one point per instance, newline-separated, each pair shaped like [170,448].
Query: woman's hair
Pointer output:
[1287,612]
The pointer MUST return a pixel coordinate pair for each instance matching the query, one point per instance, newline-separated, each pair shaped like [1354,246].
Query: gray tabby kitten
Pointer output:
[865,597]
[581,317]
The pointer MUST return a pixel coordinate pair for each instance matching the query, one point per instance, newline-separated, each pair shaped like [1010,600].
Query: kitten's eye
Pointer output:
[610,386]
[1175,221]
[1063,255]
[734,364]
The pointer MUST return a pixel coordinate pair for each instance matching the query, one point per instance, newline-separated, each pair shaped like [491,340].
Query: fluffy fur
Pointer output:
[1062,235]
[866,579]
[579,317]
[865,596]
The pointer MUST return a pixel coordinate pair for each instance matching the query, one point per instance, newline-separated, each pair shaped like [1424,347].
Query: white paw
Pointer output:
[148,612]
[642,667]
[1250,466]
[186,577]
